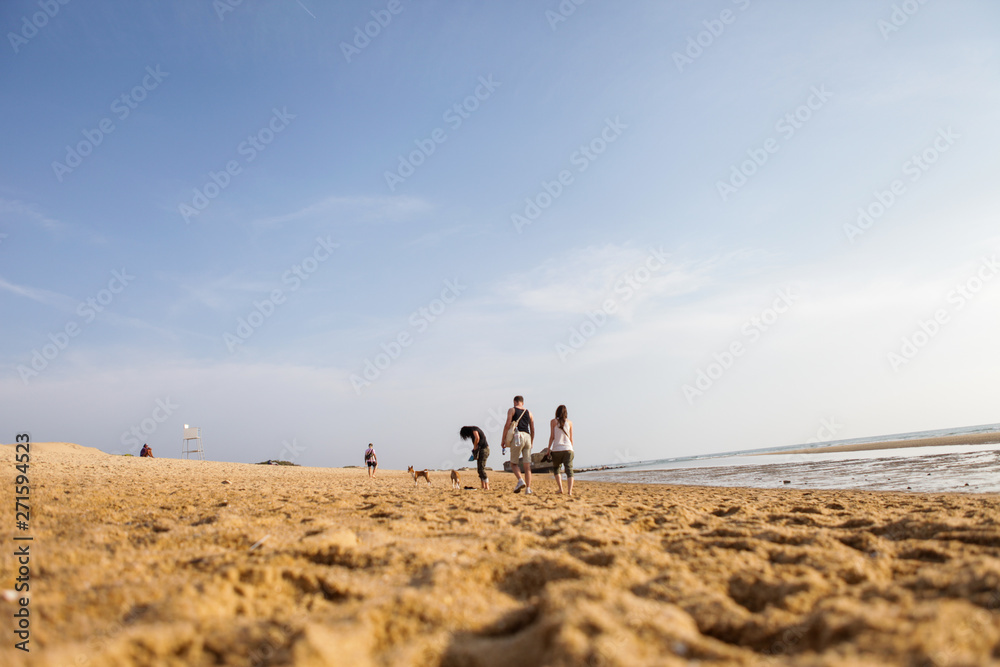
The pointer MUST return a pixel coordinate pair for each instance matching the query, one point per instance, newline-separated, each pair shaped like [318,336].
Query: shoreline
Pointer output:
[942,441]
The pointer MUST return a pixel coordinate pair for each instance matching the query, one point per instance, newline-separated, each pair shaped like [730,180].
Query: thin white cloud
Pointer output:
[43,296]
[357,209]
[17,210]
[218,294]
[436,237]
[582,279]
[68,304]
[29,211]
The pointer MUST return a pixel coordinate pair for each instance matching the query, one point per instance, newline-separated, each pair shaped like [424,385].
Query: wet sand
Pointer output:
[169,562]
[970,439]
[975,471]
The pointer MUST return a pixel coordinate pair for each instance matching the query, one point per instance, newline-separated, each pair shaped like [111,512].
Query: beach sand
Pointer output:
[170,562]
[947,440]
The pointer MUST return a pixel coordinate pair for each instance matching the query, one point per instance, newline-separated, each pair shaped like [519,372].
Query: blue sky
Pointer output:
[225,215]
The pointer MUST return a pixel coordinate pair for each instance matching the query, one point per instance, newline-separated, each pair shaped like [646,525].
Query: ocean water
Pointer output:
[963,468]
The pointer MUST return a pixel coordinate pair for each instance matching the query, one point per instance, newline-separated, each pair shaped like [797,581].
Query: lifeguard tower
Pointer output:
[192,442]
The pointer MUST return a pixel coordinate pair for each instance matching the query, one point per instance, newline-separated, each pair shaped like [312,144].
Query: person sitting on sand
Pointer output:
[146,452]
[371,460]
[561,447]
[480,449]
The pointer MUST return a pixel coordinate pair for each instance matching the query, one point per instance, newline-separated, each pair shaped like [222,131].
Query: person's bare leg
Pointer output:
[515,466]
[559,483]
[527,472]
[569,486]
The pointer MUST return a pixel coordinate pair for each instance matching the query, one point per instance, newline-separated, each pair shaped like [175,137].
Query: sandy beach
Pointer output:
[169,562]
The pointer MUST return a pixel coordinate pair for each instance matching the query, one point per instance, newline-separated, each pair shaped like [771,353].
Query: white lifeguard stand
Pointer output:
[192,442]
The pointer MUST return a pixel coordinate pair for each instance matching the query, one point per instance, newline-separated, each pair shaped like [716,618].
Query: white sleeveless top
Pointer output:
[561,443]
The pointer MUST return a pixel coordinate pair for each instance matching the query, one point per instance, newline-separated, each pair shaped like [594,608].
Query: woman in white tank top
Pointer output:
[561,447]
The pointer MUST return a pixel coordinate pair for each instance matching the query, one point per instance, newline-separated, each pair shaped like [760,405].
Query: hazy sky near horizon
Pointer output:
[306,226]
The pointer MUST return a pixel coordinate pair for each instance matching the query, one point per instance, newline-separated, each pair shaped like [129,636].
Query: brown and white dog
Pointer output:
[417,474]
[456,480]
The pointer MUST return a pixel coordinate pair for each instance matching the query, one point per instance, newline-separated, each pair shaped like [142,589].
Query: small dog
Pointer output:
[417,474]
[456,480]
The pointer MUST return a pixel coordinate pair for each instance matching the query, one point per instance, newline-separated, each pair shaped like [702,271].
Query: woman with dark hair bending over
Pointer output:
[480,449]
[561,448]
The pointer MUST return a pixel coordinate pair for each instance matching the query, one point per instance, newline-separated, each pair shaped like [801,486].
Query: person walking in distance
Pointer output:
[371,460]
[518,434]
[561,448]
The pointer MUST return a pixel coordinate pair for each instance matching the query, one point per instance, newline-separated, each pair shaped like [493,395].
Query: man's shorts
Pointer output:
[523,450]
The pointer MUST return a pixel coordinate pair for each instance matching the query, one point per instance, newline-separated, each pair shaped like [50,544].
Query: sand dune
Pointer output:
[170,562]
[63,450]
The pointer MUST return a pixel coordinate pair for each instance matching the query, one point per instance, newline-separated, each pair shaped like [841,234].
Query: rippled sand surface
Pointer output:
[167,562]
